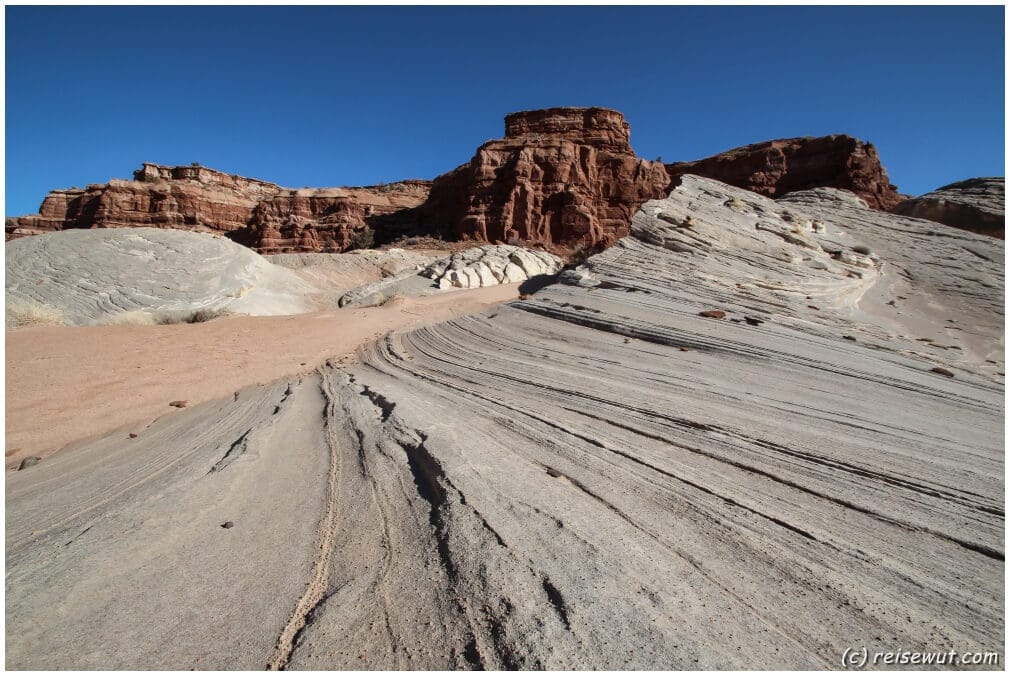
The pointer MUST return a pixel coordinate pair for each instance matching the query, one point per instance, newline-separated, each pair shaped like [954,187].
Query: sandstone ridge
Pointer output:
[976,205]
[774,168]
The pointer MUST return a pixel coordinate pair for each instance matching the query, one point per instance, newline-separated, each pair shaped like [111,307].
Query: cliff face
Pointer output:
[327,220]
[560,176]
[259,214]
[774,168]
[976,205]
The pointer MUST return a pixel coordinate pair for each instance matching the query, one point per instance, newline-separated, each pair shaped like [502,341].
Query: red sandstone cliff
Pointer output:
[328,219]
[560,176]
[774,168]
[262,215]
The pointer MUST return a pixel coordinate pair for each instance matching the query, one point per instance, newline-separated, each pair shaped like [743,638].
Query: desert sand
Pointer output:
[597,476]
[72,383]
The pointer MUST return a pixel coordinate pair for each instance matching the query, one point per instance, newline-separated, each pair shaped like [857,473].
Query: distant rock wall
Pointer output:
[326,220]
[262,215]
[774,168]
[976,205]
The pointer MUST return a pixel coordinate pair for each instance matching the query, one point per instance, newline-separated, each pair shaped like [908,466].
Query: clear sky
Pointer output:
[327,96]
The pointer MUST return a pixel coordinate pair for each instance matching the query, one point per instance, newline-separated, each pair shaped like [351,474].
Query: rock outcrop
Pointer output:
[774,168]
[561,176]
[487,265]
[976,205]
[490,265]
[82,277]
[256,213]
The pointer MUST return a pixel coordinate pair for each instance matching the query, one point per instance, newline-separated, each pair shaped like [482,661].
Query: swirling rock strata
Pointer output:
[595,477]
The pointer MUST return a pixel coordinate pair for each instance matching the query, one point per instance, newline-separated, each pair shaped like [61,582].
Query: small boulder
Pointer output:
[942,371]
[30,461]
[180,403]
[713,314]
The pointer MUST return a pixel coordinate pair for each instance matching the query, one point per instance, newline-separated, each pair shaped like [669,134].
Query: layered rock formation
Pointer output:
[561,176]
[262,215]
[774,168]
[596,477]
[976,205]
[329,220]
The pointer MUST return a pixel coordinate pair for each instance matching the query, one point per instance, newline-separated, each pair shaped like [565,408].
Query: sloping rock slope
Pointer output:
[977,205]
[596,477]
[257,213]
[774,168]
[93,276]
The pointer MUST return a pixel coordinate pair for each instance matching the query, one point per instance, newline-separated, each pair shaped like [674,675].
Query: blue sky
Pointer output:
[326,96]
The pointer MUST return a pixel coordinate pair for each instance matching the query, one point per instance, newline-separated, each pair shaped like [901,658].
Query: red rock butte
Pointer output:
[561,176]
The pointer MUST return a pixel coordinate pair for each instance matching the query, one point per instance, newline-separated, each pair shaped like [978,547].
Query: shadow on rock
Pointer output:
[534,284]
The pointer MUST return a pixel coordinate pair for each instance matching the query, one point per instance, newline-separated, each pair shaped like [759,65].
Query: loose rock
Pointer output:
[30,461]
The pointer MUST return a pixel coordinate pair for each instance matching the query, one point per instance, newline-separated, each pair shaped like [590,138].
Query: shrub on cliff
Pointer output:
[363,239]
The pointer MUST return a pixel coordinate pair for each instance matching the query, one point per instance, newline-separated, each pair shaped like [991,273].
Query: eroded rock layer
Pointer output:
[561,176]
[774,168]
[261,215]
[976,205]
